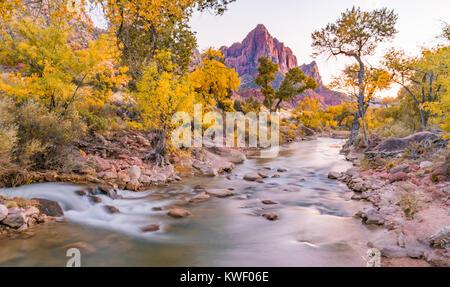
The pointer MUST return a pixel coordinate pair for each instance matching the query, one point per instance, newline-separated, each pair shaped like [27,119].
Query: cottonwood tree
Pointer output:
[421,77]
[160,94]
[142,27]
[375,80]
[214,82]
[356,34]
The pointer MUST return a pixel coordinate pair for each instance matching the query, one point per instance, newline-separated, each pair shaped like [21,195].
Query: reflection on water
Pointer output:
[315,226]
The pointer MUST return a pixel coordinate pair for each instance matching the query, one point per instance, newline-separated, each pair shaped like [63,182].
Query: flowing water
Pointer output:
[315,226]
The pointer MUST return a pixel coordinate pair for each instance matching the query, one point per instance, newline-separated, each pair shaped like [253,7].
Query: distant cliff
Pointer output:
[243,57]
[258,43]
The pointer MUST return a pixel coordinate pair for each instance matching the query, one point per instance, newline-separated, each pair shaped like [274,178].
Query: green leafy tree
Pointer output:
[266,75]
[294,83]
[356,34]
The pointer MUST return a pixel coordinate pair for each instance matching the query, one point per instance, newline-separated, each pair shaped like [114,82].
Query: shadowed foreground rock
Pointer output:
[48,207]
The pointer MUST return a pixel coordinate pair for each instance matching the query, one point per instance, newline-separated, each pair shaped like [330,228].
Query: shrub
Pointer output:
[396,129]
[248,105]
[408,202]
[34,137]
[45,137]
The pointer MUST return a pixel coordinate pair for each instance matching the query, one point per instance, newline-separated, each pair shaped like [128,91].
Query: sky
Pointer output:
[293,21]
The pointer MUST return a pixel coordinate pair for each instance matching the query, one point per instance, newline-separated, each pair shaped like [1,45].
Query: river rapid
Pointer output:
[316,226]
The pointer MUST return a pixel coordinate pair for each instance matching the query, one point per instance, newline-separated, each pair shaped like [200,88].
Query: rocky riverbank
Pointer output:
[407,182]
[120,160]
[18,216]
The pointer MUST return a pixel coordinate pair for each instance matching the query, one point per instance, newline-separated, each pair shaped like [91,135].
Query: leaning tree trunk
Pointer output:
[360,103]
[156,155]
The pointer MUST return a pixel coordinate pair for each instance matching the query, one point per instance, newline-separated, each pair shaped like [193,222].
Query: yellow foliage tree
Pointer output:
[160,94]
[214,82]
[311,114]
[49,69]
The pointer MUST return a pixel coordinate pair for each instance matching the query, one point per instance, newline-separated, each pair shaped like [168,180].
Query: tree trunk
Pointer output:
[355,129]
[361,100]
[156,155]
[422,118]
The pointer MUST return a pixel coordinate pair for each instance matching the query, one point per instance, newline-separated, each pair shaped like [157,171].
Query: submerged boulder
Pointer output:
[179,213]
[150,228]
[252,176]
[201,197]
[220,192]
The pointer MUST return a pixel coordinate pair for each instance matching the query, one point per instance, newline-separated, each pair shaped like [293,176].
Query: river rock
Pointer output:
[95,199]
[134,172]
[229,154]
[394,252]
[400,168]
[441,239]
[49,207]
[334,175]
[159,177]
[100,164]
[276,176]
[263,175]
[112,209]
[282,170]
[399,176]
[145,179]
[371,216]
[14,220]
[425,164]
[251,176]
[270,216]
[107,175]
[179,213]
[3,212]
[133,185]
[201,197]
[81,192]
[150,228]
[109,191]
[415,252]
[269,202]
[31,212]
[220,192]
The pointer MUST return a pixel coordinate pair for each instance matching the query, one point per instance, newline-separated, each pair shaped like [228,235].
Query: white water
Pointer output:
[134,208]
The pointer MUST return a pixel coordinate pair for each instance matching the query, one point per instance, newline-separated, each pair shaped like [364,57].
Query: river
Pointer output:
[316,226]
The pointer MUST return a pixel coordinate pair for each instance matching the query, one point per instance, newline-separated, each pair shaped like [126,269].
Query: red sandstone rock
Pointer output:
[399,176]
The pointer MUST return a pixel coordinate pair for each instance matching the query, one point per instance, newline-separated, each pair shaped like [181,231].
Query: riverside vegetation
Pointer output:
[94,107]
